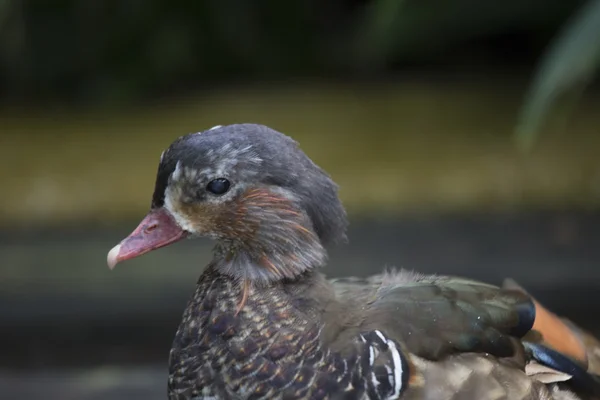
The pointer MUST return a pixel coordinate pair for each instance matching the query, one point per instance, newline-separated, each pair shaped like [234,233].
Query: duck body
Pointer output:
[265,323]
[290,341]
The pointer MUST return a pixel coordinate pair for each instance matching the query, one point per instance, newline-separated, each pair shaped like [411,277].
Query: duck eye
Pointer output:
[218,186]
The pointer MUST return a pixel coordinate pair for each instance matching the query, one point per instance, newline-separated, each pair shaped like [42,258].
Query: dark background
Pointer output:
[412,106]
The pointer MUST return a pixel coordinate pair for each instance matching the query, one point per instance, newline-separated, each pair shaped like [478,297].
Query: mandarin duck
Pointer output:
[265,323]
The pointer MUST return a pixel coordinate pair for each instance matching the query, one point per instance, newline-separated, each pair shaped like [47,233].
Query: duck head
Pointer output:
[268,206]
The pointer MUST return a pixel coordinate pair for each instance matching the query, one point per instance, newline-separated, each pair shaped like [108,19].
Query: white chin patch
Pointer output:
[181,221]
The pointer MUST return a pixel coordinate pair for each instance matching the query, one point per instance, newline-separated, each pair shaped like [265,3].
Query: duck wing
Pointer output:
[467,339]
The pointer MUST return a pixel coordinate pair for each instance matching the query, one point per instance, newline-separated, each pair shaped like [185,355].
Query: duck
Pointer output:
[264,322]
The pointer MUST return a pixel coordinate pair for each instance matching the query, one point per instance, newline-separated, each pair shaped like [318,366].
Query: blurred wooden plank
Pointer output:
[67,309]
[130,383]
[398,147]
[63,276]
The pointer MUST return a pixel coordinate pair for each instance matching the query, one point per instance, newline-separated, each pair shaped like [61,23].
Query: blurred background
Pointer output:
[465,136]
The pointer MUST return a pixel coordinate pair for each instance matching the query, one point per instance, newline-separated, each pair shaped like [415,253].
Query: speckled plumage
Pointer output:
[264,323]
[272,348]
[216,353]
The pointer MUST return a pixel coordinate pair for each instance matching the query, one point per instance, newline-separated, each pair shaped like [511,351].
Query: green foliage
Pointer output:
[566,68]
[116,51]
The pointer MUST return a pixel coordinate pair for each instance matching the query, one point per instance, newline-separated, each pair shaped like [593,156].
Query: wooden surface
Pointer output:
[76,330]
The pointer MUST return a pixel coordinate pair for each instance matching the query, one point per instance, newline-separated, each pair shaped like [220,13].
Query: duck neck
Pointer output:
[272,239]
[276,254]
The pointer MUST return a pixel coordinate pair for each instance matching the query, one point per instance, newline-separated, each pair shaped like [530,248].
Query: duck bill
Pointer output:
[157,229]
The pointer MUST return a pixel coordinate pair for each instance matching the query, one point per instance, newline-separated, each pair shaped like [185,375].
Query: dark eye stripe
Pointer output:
[218,186]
